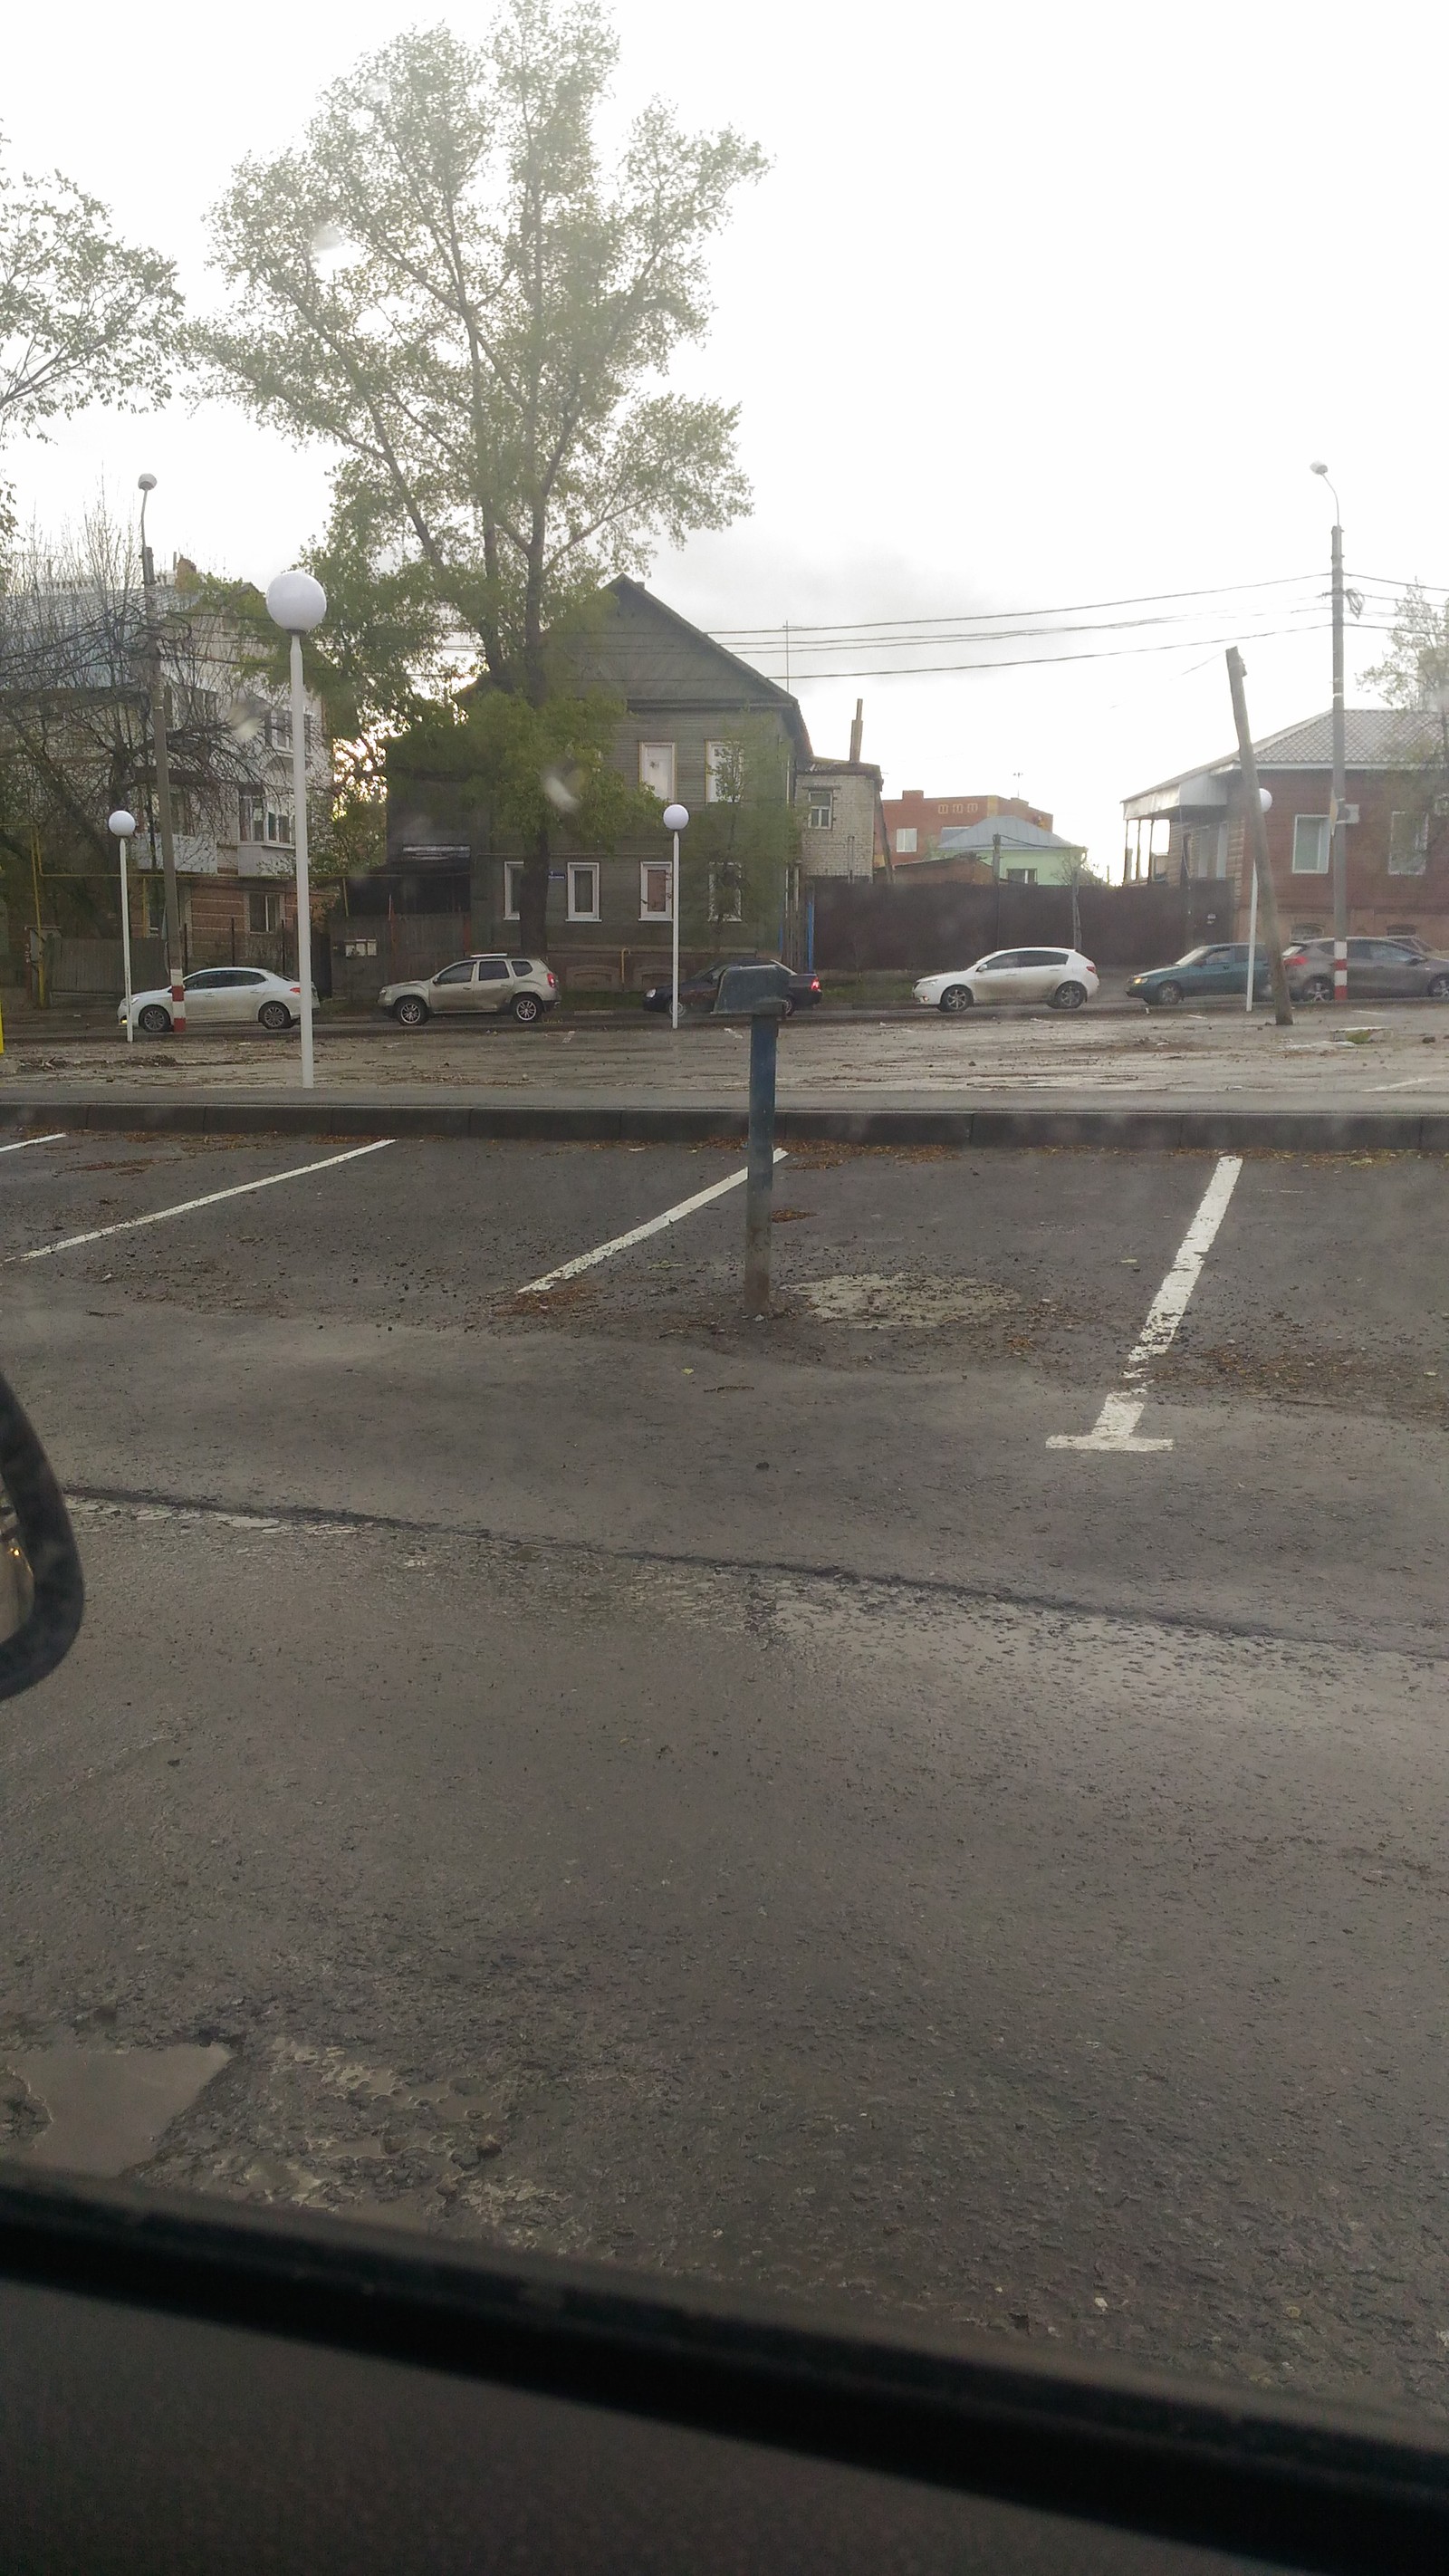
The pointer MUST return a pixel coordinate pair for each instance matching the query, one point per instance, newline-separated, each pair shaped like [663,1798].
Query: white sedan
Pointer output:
[220,997]
[1061,977]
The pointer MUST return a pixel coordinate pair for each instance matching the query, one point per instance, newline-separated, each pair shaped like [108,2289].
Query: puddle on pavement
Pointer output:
[105,2108]
[870,1297]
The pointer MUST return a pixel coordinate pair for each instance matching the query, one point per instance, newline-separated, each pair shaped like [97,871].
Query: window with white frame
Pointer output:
[512,889]
[1408,844]
[278,818]
[278,728]
[656,770]
[1310,845]
[723,762]
[724,891]
[820,812]
[905,840]
[583,890]
[264,908]
[655,890]
[251,814]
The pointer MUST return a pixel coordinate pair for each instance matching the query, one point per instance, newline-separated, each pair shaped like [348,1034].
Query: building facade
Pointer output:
[1190,830]
[686,703]
[842,819]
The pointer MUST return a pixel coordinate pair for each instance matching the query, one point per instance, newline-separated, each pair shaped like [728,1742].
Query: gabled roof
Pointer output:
[1374,738]
[657,660]
[1012,830]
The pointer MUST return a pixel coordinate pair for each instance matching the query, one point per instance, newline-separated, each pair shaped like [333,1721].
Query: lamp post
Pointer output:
[124,825]
[676,820]
[160,737]
[1340,781]
[297,603]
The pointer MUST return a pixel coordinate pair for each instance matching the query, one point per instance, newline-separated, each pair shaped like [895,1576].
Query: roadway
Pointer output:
[739,1798]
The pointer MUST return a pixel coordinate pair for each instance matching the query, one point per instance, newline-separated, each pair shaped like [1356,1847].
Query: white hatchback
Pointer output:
[219,997]
[1061,977]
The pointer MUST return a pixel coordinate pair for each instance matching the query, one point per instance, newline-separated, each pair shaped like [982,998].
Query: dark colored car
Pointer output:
[1204,974]
[697,992]
[1383,970]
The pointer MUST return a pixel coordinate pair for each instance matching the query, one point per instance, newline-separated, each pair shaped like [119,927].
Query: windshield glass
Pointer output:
[799,1647]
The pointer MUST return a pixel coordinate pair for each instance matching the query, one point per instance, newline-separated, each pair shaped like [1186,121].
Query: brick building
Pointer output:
[1190,831]
[915,821]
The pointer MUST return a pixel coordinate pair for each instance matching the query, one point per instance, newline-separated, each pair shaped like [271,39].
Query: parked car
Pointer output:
[1061,977]
[524,987]
[222,997]
[698,991]
[1378,970]
[1206,973]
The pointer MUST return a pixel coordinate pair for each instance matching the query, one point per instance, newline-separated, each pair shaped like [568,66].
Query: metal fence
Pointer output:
[93,967]
[369,951]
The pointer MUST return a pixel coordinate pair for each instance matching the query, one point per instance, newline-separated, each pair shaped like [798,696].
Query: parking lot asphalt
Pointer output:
[734,1796]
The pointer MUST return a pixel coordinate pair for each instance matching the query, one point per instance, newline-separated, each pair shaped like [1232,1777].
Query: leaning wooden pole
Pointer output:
[1258,843]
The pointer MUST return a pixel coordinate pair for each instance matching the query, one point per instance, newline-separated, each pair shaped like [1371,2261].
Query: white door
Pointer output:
[208,994]
[1038,973]
[493,986]
[245,995]
[995,977]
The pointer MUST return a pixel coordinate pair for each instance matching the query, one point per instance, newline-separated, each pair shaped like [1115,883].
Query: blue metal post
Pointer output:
[760,1179]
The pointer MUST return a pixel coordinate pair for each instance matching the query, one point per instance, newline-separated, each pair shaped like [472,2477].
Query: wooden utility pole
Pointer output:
[1258,843]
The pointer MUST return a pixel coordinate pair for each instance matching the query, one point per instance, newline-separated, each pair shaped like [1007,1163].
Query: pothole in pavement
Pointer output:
[98,2110]
[902,1297]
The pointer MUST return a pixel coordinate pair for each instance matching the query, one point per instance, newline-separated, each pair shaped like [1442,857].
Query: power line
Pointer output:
[1041,661]
[970,616]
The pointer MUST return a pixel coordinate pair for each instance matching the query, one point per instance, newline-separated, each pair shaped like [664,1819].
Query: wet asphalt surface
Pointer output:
[730,1797]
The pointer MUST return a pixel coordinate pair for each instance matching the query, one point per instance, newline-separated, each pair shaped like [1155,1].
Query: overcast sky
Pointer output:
[1037,307]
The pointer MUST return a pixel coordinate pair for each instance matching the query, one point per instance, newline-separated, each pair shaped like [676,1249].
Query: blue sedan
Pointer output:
[1204,975]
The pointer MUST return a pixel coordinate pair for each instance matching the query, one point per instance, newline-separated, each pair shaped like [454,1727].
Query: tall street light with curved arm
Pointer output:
[1340,780]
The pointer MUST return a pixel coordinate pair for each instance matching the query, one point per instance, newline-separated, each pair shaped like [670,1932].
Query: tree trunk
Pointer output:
[533,899]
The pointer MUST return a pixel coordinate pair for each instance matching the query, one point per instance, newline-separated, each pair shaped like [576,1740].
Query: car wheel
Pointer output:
[1168,993]
[1438,988]
[154,1020]
[527,1008]
[410,1012]
[275,1016]
[1319,988]
[1069,997]
[957,997]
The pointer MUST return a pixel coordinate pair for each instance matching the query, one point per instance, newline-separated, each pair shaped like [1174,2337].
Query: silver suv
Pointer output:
[1378,970]
[522,986]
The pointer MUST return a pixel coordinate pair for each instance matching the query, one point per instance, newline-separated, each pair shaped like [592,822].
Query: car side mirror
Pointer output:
[42,1589]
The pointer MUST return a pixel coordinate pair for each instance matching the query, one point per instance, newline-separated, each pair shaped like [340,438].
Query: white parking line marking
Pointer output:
[1116,1424]
[638,1233]
[213,1198]
[19,1147]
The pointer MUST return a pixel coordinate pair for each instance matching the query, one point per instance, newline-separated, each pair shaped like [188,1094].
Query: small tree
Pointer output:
[1414,676]
[444,285]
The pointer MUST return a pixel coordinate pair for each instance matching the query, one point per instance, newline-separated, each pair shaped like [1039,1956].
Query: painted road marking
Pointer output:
[18,1148]
[1116,1424]
[638,1233]
[213,1198]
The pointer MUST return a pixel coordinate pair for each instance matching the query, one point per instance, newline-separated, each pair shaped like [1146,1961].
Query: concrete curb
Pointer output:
[1155,1128]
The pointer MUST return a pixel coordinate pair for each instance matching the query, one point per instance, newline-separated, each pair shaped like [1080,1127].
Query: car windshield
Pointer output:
[802,1654]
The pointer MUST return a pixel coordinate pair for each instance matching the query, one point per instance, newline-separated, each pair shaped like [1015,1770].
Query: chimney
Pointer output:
[857,729]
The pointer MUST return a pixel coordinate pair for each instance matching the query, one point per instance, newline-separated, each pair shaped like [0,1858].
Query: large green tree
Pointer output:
[445,285]
[83,316]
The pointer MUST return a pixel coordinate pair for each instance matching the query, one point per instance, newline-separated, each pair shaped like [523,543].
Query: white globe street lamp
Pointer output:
[676,820]
[123,825]
[297,603]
